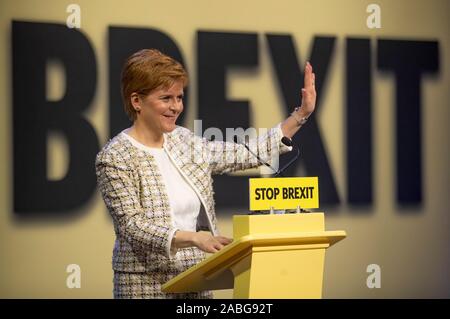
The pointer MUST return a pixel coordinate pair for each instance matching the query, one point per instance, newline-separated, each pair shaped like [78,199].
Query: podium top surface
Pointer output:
[212,272]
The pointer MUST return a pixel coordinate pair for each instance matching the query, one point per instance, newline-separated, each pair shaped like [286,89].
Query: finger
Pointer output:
[218,246]
[224,240]
[220,239]
[304,94]
[212,250]
[308,76]
[313,88]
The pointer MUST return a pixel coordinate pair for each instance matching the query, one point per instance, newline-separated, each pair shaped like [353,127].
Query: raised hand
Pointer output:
[309,91]
[301,114]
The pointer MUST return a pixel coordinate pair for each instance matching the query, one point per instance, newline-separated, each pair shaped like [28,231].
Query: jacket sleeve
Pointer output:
[227,157]
[120,193]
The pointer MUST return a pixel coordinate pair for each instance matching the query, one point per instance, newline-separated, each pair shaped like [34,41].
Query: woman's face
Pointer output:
[160,109]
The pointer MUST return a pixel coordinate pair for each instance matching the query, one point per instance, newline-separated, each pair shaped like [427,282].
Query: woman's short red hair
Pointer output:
[147,70]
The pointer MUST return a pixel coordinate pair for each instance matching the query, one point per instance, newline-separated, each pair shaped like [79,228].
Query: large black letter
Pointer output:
[217,52]
[33,45]
[122,43]
[359,121]
[290,77]
[408,60]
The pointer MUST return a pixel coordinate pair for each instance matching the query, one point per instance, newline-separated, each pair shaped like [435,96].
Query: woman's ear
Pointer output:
[135,101]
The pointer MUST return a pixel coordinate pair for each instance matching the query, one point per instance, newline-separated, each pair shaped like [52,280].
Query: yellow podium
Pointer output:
[271,256]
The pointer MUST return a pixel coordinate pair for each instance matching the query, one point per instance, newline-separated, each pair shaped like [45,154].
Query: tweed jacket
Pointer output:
[135,195]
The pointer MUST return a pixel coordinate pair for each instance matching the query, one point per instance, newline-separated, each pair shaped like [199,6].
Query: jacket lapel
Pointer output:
[179,151]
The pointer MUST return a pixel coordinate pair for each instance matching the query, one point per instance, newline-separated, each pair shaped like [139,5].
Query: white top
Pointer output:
[184,202]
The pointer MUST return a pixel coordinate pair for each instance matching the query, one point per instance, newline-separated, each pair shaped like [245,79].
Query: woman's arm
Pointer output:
[202,240]
[226,157]
[121,198]
[120,194]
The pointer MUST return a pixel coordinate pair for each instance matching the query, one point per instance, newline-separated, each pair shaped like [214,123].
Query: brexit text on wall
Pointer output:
[34,44]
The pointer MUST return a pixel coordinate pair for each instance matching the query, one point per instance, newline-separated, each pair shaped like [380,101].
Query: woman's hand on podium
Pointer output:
[209,243]
[202,240]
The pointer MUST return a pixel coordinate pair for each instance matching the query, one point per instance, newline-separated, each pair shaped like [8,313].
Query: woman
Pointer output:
[160,197]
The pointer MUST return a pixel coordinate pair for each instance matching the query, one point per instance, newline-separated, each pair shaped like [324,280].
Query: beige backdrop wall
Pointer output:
[411,249]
